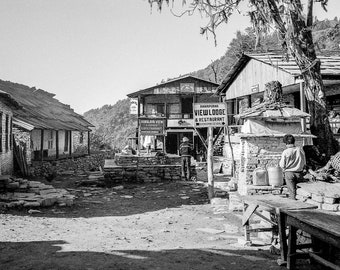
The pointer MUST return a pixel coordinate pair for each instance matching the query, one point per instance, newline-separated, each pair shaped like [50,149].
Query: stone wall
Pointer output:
[75,164]
[254,152]
[128,160]
[144,173]
[6,153]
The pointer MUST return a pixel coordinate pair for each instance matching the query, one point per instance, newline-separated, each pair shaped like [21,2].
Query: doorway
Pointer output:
[187,107]
[172,143]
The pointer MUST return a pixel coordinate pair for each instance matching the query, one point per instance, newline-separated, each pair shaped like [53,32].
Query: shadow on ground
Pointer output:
[49,255]
[130,200]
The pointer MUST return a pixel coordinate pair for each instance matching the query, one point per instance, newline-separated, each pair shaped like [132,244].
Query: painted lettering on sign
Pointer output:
[151,126]
[210,114]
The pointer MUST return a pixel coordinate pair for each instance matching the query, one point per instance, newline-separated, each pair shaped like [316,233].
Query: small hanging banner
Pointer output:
[133,106]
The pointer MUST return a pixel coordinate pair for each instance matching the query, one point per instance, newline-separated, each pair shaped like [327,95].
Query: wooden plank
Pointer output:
[261,230]
[248,212]
[319,224]
[323,261]
[265,218]
[277,202]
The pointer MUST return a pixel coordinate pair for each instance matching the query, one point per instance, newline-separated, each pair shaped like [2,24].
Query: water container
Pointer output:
[260,177]
[275,176]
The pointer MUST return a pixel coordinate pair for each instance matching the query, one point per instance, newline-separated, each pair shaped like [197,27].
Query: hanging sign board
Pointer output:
[151,126]
[210,115]
[133,106]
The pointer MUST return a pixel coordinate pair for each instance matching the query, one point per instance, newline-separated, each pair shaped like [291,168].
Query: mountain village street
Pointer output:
[167,225]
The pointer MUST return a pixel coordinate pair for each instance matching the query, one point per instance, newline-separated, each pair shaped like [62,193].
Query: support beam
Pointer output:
[210,163]
[202,139]
[70,142]
[88,143]
[42,145]
[57,144]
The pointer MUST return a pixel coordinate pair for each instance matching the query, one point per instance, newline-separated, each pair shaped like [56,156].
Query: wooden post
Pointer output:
[138,153]
[57,144]
[202,139]
[302,106]
[210,163]
[88,143]
[70,142]
[42,145]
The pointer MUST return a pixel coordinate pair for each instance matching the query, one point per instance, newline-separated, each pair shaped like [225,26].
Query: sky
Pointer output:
[94,52]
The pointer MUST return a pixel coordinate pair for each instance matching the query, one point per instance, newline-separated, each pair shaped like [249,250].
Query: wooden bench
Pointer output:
[323,227]
[252,205]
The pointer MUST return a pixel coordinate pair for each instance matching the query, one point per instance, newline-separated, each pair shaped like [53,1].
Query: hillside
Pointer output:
[114,122]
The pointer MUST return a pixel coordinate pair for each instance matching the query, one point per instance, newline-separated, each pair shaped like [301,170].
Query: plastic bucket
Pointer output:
[260,177]
[275,176]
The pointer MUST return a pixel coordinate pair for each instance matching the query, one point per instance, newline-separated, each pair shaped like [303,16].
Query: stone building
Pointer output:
[43,127]
[7,106]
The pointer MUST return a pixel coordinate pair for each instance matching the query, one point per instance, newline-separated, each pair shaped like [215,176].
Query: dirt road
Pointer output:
[150,226]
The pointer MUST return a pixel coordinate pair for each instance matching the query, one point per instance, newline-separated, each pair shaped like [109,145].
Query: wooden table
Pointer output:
[322,225]
[273,204]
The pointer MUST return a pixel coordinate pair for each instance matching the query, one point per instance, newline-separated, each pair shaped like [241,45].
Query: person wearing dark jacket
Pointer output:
[185,151]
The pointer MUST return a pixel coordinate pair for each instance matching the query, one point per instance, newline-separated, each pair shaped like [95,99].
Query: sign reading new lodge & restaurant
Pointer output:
[210,115]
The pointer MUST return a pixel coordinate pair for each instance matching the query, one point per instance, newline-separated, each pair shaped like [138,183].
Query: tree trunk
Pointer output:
[302,49]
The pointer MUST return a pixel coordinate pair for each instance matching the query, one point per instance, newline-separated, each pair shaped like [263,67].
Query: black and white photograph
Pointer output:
[169,134]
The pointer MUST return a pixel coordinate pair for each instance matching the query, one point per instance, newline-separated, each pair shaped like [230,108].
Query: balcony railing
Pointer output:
[172,115]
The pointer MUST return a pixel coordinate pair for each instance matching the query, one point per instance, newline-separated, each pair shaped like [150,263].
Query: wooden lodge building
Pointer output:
[43,127]
[256,139]
[165,113]
[244,84]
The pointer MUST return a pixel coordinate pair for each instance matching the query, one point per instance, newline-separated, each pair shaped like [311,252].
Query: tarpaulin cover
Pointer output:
[252,126]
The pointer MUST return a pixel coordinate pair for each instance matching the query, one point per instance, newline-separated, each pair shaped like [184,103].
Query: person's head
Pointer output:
[185,139]
[289,139]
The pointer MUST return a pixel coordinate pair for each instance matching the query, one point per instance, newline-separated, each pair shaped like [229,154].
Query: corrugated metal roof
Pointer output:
[147,90]
[42,110]
[330,66]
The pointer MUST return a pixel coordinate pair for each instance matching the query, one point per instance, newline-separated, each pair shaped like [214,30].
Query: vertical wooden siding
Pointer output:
[256,72]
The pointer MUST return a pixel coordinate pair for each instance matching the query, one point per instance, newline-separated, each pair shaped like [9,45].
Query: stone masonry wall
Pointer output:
[6,154]
[259,152]
[126,160]
[76,164]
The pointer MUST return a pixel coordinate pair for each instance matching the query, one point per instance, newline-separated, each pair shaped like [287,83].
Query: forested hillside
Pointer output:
[114,124]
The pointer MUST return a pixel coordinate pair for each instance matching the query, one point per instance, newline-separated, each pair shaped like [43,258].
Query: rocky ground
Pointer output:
[146,226]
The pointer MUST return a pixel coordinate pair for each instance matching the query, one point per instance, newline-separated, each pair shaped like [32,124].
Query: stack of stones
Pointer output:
[130,160]
[156,173]
[325,195]
[75,164]
[129,168]
[260,190]
[19,192]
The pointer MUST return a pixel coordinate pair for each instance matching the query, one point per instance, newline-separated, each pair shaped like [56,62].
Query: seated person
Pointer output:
[128,150]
